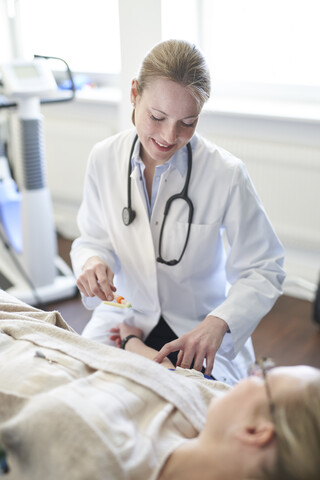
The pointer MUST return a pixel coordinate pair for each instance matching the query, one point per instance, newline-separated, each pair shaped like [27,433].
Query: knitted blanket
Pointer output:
[33,341]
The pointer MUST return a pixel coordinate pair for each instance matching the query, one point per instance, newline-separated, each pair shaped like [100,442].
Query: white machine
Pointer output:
[30,268]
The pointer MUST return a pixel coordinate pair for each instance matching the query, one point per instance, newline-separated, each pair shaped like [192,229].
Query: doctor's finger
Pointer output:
[170,347]
[198,361]
[185,359]
[209,363]
[86,282]
[94,286]
[179,357]
[82,288]
[105,282]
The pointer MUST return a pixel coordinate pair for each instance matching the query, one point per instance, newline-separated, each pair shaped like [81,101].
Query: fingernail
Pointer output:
[110,298]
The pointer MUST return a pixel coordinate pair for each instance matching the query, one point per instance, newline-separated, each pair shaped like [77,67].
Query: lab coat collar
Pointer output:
[179,160]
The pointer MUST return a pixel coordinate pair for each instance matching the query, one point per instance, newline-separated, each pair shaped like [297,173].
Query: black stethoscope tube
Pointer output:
[128,214]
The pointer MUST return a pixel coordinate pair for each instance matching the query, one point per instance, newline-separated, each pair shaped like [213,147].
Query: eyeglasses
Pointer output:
[260,369]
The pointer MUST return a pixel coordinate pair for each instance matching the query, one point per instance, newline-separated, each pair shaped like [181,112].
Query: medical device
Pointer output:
[25,79]
[128,214]
[30,268]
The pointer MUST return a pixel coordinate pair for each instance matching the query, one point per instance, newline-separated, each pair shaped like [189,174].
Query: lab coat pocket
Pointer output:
[204,251]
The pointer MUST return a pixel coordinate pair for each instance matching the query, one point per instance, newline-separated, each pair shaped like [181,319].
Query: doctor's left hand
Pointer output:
[202,342]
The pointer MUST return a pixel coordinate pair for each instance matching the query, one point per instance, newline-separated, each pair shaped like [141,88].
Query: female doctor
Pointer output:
[173,223]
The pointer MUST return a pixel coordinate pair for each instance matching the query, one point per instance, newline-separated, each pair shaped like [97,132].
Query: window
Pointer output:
[84,33]
[262,47]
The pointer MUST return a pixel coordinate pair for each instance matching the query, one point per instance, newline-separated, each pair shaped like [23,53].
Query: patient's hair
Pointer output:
[179,61]
[297,425]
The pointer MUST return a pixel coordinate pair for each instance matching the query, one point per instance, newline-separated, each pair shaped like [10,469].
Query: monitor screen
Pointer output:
[26,71]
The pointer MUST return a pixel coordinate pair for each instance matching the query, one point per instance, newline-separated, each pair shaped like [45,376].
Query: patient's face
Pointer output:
[250,395]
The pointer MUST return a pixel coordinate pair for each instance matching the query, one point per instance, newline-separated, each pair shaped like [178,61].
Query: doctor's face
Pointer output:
[166,116]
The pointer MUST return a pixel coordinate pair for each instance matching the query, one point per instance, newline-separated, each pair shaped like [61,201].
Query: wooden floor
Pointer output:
[288,333]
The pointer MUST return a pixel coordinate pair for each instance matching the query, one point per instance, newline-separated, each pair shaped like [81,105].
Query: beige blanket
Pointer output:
[46,422]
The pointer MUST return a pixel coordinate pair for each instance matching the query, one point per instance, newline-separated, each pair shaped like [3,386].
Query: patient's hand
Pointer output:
[135,345]
[122,330]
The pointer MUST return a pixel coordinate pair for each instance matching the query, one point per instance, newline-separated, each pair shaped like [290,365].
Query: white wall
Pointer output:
[140,30]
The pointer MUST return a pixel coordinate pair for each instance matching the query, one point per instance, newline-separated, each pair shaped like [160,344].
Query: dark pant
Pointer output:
[159,336]
[162,334]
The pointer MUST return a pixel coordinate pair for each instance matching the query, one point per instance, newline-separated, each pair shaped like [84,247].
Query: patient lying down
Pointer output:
[74,409]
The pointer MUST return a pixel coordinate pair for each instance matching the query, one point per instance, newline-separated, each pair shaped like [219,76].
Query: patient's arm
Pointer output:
[135,345]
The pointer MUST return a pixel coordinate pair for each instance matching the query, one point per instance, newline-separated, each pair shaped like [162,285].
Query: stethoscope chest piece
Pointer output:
[128,215]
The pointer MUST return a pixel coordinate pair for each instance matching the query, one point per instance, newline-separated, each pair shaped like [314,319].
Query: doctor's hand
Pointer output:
[202,342]
[96,279]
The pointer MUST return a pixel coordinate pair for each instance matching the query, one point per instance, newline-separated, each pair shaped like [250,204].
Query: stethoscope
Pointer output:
[128,214]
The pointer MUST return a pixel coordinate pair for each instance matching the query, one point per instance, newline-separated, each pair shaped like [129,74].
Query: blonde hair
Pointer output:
[297,425]
[179,61]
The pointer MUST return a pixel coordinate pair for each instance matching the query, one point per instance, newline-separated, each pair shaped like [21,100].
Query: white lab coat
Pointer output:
[239,283]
